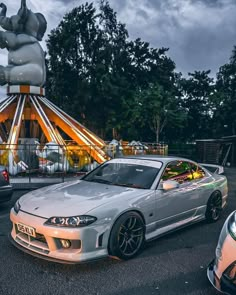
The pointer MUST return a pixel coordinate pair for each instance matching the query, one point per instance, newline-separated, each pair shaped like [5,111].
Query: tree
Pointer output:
[71,57]
[225,98]
[157,108]
[196,94]
[94,70]
[86,66]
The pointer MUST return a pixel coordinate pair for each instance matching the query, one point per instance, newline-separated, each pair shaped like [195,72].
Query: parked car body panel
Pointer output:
[221,269]
[5,187]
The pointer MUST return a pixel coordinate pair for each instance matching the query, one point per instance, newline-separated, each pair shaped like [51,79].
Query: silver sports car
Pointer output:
[115,208]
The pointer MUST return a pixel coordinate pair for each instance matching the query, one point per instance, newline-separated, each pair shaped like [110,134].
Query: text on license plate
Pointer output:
[26,229]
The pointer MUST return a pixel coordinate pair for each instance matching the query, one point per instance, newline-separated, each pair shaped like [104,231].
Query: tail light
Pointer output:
[5,174]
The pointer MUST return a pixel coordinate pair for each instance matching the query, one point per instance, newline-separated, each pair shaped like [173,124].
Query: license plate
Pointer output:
[26,229]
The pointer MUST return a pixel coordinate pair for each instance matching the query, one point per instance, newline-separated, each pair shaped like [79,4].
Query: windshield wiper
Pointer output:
[99,180]
[132,185]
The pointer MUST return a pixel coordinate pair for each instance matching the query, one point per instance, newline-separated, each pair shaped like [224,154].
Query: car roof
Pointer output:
[163,159]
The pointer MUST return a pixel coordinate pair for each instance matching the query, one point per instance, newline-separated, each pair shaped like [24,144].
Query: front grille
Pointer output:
[228,279]
[37,244]
[39,238]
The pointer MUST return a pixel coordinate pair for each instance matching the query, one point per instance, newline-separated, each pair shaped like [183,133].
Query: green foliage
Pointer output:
[196,92]
[156,108]
[94,70]
[109,82]
[225,99]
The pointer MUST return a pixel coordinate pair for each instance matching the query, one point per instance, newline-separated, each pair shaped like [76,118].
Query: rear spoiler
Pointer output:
[213,168]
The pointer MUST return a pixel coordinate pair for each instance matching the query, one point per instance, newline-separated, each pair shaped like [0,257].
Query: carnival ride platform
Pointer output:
[27,113]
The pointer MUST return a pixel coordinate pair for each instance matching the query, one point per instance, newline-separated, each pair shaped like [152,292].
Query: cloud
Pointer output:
[200,33]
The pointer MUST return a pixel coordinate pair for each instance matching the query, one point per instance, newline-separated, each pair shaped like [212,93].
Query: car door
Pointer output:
[178,204]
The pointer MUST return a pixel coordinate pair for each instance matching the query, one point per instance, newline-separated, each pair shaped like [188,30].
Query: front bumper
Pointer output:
[213,277]
[87,243]
[223,284]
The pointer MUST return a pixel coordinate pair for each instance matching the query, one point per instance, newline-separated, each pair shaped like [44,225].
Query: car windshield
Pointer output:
[124,174]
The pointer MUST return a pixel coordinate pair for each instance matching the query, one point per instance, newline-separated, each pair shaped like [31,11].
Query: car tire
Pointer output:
[127,236]
[214,207]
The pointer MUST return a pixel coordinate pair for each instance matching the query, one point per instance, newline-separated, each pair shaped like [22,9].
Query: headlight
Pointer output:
[232,226]
[17,206]
[73,221]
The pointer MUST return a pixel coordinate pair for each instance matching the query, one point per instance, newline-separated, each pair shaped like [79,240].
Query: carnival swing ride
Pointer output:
[27,114]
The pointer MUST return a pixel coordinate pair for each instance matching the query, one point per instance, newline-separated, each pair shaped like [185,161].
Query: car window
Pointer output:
[198,172]
[179,171]
[122,174]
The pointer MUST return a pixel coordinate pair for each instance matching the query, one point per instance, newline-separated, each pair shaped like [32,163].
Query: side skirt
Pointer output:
[173,227]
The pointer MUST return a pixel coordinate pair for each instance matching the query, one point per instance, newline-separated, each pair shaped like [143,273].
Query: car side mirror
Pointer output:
[169,185]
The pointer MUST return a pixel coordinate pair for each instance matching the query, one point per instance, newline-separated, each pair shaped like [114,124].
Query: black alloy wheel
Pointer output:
[214,207]
[127,236]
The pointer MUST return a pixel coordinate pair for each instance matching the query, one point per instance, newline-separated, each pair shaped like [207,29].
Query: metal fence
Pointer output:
[43,164]
[185,150]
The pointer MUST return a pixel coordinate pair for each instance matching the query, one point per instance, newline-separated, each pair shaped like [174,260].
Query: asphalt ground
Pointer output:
[172,265]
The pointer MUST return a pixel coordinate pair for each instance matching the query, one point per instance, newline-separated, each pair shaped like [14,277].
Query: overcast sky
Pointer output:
[200,33]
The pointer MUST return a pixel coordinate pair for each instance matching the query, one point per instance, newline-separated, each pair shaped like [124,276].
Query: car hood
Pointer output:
[72,198]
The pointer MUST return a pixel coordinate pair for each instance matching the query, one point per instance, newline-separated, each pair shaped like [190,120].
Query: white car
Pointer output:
[115,208]
[222,270]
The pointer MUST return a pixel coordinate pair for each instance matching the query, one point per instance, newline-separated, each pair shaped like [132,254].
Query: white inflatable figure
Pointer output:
[13,167]
[115,142]
[52,157]
[143,146]
[138,147]
[26,58]
[114,148]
